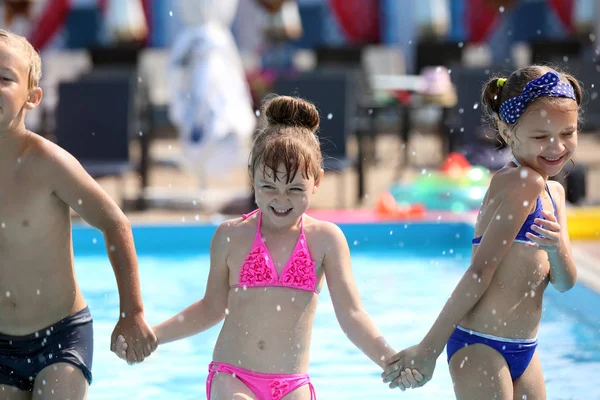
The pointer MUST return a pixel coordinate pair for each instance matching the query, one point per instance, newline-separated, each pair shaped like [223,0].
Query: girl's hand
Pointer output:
[549,231]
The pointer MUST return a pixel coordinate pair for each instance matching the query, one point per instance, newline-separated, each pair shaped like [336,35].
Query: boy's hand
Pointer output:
[138,338]
[417,358]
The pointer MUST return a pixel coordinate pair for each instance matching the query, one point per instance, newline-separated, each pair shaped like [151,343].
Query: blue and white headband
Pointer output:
[547,85]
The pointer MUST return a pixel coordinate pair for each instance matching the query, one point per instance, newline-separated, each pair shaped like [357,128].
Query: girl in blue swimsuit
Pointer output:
[490,323]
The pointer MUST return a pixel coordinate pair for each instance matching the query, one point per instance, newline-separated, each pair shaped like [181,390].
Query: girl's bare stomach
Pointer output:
[267,332]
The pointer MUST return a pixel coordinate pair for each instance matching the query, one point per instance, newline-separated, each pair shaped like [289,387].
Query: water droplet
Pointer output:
[293,299]
[475,276]
[7,293]
[391,232]
[278,307]
[80,202]
[196,217]
[501,9]
[475,106]
[227,311]
[594,96]
[498,217]
[504,242]
[94,240]
[112,247]
[123,315]
[170,13]
[181,318]
[423,171]
[38,292]
[525,203]
[552,140]
[539,31]
[524,173]
[43,381]
[532,294]
[182,219]
[141,133]
[329,116]
[355,242]
[460,44]
[461,110]
[565,58]
[494,311]
[3,225]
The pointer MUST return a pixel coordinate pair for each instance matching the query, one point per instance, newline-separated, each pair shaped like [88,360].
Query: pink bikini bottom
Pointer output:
[264,386]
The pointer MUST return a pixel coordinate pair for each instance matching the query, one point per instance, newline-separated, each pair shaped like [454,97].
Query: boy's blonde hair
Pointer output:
[34,61]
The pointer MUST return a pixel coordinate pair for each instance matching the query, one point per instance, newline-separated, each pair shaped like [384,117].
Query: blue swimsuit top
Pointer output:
[537,213]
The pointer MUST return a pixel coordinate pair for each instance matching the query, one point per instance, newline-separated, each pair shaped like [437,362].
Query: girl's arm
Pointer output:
[563,273]
[350,313]
[210,310]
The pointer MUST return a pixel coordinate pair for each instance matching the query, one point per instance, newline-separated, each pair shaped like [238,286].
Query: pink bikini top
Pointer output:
[258,269]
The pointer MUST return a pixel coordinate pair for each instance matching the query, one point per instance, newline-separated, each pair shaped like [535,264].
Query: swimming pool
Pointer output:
[404,276]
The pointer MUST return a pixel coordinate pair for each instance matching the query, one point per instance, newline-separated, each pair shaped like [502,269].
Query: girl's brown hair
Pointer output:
[495,93]
[287,137]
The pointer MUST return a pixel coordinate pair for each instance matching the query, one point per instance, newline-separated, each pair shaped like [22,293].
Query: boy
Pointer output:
[46,335]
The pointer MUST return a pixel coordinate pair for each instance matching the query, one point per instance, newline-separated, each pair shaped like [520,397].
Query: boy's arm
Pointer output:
[350,313]
[210,310]
[75,187]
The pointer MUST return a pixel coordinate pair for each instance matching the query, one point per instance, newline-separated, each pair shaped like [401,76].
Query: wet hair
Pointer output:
[26,50]
[287,135]
[493,94]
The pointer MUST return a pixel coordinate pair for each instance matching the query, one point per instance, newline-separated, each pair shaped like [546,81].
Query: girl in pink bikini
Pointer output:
[267,269]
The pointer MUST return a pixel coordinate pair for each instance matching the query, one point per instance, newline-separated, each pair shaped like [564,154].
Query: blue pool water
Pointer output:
[404,275]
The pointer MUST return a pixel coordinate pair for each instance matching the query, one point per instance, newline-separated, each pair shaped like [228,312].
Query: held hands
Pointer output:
[133,339]
[399,374]
[549,231]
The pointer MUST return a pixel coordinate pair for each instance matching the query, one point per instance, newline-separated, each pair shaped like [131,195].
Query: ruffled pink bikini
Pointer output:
[258,270]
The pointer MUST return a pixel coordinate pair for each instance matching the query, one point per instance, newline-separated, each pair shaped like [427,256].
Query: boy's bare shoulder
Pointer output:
[42,152]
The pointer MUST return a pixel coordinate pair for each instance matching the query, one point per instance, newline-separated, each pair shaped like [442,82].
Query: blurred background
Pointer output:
[158,98]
